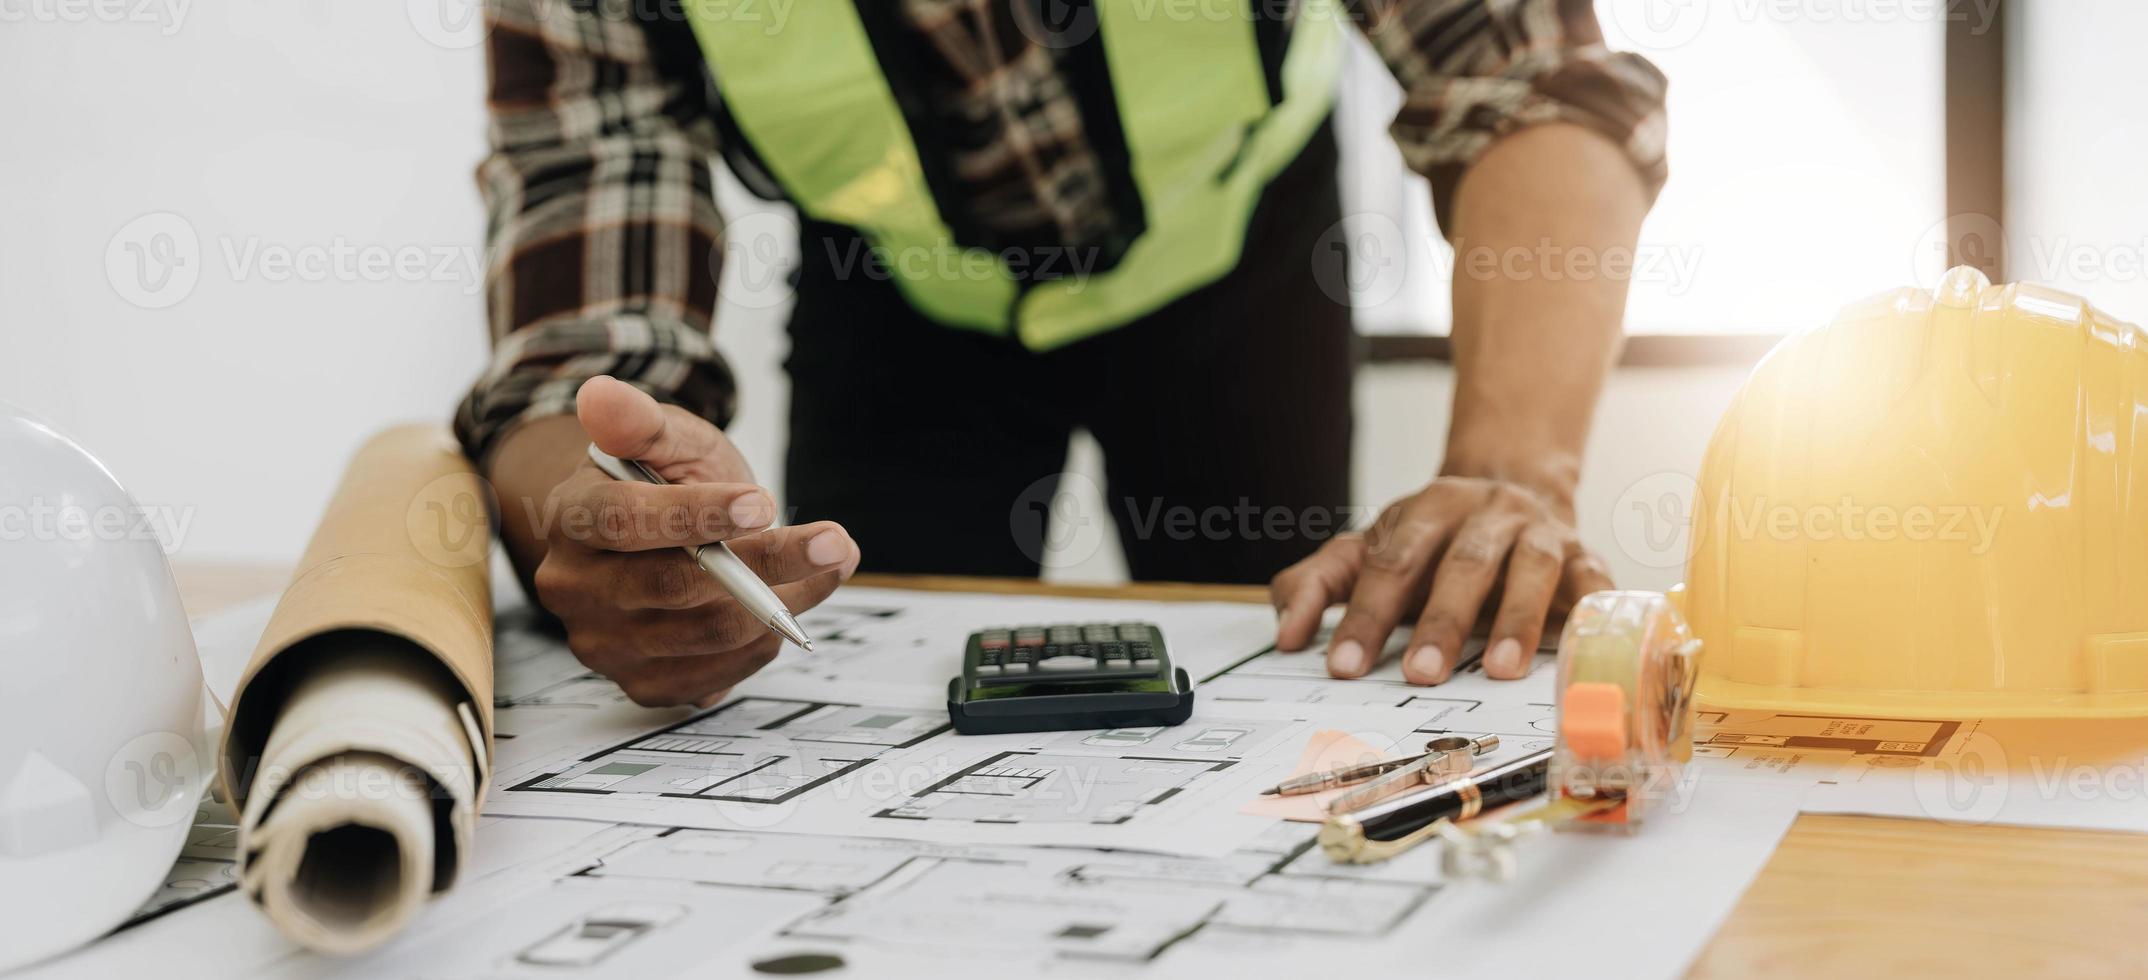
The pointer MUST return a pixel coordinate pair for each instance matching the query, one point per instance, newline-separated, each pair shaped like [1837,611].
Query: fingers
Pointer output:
[672,580]
[1399,550]
[787,554]
[661,682]
[611,515]
[624,421]
[1534,569]
[1304,591]
[1465,576]
[1585,573]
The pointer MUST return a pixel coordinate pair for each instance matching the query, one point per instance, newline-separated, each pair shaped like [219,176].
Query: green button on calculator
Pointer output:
[1067,677]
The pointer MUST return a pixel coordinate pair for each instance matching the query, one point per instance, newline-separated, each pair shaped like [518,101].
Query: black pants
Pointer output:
[1224,417]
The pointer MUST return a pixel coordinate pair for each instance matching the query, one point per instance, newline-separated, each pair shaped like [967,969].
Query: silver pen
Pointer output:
[716,558]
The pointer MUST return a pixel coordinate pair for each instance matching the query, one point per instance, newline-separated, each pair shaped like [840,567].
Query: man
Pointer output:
[1116,217]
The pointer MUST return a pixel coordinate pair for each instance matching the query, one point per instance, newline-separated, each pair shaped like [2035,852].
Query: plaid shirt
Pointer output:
[603,233]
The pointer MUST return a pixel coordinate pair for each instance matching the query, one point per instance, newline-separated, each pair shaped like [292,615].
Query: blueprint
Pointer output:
[824,816]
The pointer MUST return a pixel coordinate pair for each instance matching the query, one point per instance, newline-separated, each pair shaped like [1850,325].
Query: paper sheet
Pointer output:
[829,882]
[2081,775]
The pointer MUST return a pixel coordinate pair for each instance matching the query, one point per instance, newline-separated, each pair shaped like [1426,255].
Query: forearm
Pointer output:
[1544,225]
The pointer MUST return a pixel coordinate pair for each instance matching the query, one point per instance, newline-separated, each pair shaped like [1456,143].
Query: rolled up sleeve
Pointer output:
[1473,71]
[602,229]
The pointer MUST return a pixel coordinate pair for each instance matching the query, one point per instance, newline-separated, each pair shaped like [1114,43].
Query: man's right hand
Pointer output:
[637,609]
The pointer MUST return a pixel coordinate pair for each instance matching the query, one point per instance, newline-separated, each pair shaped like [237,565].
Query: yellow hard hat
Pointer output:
[1936,505]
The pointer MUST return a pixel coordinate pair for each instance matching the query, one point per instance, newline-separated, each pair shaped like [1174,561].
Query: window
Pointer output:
[1807,155]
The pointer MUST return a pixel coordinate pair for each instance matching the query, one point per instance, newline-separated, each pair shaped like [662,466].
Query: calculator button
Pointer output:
[1066,664]
[1131,632]
[1025,657]
[1021,667]
[988,668]
[1113,652]
[1097,634]
[1148,665]
[1086,651]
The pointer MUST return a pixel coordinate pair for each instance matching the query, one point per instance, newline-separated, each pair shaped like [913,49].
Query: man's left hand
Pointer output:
[1444,555]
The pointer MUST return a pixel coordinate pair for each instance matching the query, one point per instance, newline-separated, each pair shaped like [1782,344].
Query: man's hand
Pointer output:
[636,607]
[1444,555]
[1532,344]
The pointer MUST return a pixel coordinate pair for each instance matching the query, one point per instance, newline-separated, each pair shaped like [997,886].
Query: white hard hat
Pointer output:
[102,751]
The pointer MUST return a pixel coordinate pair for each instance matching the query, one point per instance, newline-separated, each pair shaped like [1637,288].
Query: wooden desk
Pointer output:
[1843,896]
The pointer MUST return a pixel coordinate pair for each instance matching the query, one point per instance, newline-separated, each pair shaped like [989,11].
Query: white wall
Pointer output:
[266,129]
[308,130]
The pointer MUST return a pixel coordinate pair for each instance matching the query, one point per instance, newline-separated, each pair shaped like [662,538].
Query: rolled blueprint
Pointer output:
[358,745]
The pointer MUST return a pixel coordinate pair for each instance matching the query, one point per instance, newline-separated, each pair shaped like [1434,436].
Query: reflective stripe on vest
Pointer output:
[1193,103]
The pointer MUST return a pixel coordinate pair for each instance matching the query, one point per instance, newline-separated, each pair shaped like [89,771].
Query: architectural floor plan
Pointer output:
[824,817]
[749,750]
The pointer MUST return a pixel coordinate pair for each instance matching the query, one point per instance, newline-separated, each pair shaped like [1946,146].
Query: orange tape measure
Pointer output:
[1626,669]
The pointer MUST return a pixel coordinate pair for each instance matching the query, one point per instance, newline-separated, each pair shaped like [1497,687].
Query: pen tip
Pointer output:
[786,625]
[1271,791]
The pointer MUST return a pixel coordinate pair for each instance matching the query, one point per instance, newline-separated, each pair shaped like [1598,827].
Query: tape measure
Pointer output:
[1626,669]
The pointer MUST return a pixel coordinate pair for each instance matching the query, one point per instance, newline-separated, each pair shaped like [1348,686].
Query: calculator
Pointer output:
[1067,677]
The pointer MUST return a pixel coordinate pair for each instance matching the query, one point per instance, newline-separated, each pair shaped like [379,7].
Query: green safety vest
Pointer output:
[1202,133]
